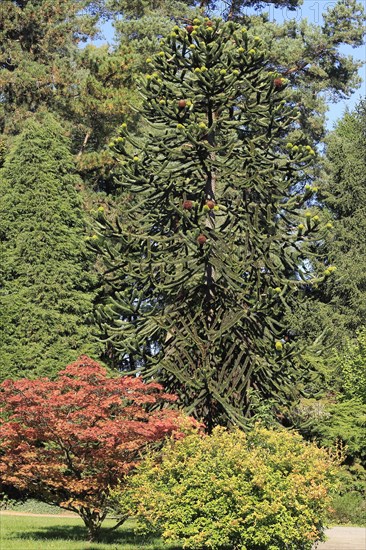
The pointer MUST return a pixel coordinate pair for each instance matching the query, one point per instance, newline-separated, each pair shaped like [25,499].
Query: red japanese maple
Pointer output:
[70,440]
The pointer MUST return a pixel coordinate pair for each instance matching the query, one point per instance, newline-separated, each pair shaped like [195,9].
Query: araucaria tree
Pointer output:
[69,441]
[205,260]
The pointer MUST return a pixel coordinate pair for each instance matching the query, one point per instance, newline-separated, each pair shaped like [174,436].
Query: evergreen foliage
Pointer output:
[351,363]
[144,23]
[43,67]
[338,309]
[102,102]
[343,194]
[333,422]
[38,43]
[46,279]
[307,53]
[201,264]
[310,56]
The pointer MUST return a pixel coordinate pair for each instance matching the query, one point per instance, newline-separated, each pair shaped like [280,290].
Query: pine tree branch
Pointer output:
[85,142]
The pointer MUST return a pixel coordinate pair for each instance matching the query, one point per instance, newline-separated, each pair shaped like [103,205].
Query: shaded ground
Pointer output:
[29,532]
[344,538]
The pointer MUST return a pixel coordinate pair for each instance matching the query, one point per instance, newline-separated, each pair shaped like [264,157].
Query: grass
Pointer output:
[69,533]
[50,533]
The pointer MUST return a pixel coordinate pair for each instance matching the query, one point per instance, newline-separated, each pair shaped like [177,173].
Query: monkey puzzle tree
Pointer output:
[308,53]
[204,259]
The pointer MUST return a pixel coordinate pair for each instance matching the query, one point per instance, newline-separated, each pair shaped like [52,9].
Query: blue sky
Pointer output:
[312,10]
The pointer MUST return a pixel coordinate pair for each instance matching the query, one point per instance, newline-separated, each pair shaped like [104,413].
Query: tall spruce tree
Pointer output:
[338,308]
[204,259]
[46,288]
[343,195]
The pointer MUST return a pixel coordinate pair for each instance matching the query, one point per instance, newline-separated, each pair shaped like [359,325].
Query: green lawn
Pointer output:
[51,533]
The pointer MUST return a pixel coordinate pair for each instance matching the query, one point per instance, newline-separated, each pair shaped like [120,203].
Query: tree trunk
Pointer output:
[93,522]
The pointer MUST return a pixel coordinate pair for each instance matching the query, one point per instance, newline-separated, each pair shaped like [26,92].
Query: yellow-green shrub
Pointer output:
[266,490]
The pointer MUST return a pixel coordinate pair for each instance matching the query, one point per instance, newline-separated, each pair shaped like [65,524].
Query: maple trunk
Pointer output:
[93,522]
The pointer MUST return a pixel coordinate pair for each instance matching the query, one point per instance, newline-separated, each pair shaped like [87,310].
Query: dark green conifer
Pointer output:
[45,275]
[203,262]
[338,308]
[43,68]
[343,194]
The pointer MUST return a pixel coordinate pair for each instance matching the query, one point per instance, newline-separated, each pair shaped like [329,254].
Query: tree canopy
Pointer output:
[343,194]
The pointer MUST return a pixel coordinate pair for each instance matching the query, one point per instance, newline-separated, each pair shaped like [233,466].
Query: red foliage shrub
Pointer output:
[69,441]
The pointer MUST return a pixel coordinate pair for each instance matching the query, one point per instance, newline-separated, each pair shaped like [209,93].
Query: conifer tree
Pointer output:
[203,262]
[37,56]
[102,102]
[46,280]
[338,308]
[343,195]
[309,54]
[43,67]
